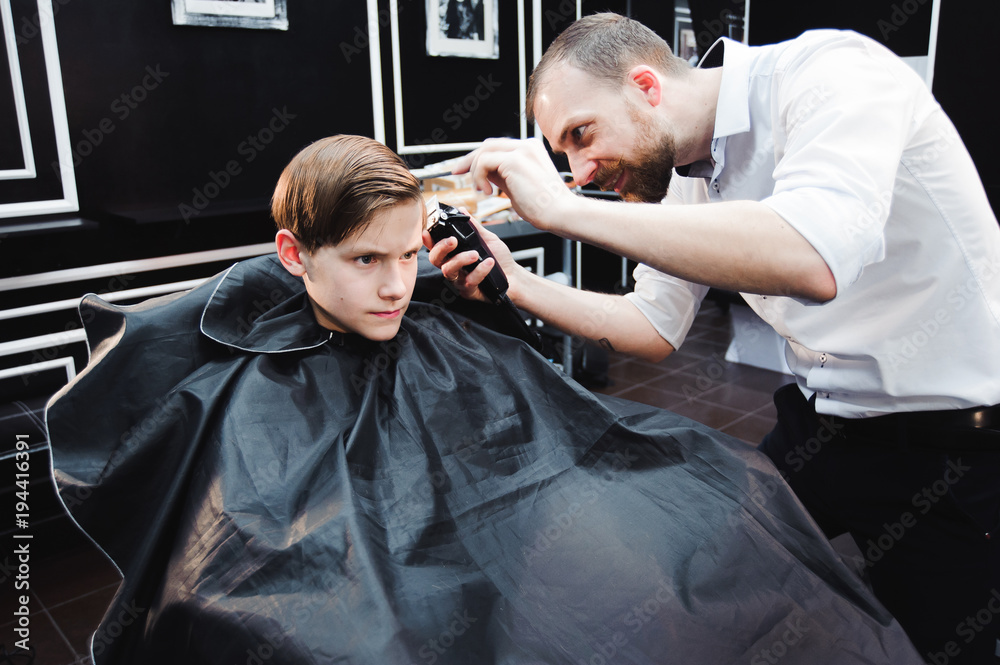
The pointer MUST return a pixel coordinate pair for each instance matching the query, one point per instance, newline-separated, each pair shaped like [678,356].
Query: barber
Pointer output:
[820,179]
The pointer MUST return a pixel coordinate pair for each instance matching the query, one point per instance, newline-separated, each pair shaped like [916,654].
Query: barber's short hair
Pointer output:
[605,46]
[334,187]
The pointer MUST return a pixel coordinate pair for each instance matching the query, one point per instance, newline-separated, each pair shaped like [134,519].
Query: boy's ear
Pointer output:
[290,250]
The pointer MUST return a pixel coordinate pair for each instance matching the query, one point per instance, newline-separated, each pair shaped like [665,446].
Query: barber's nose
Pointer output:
[583,169]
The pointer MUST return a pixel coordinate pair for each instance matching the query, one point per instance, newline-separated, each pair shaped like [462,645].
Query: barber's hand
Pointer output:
[523,170]
[467,284]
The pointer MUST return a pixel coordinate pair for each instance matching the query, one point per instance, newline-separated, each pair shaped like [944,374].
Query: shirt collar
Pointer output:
[732,114]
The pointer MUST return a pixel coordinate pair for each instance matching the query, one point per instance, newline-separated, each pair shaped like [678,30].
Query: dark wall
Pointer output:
[179,133]
[965,83]
[964,53]
[441,95]
[186,102]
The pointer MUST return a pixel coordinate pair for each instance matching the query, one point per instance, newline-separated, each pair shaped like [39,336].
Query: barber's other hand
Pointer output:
[467,283]
[522,170]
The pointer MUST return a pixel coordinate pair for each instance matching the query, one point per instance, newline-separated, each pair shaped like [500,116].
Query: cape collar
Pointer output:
[259,306]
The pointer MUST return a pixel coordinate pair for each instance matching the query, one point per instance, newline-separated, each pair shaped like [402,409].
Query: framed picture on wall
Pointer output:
[463,28]
[38,159]
[259,14]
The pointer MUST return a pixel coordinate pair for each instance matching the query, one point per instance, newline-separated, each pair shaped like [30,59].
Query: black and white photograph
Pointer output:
[462,28]
[258,14]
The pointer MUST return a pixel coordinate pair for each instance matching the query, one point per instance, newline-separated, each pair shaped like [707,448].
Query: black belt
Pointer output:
[975,429]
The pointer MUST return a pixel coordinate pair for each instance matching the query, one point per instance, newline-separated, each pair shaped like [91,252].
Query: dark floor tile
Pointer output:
[51,647]
[701,347]
[78,619]
[685,384]
[679,359]
[758,378]
[713,365]
[768,411]
[739,397]
[707,413]
[712,314]
[720,371]
[71,574]
[751,428]
[651,396]
[718,337]
[617,357]
[9,592]
[609,388]
[633,372]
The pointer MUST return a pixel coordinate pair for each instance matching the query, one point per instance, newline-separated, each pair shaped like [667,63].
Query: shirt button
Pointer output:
[822,357]
[715,186]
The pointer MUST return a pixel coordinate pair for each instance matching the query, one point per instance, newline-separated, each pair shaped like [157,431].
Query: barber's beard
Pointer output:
[649,170]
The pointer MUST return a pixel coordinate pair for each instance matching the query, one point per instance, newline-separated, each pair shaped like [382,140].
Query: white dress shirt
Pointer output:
[844,141]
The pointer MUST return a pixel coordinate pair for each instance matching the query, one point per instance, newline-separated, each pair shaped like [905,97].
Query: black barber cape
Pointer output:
[274,493]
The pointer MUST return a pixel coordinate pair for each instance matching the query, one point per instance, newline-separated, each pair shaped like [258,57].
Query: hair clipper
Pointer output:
[449,222]
[445,222]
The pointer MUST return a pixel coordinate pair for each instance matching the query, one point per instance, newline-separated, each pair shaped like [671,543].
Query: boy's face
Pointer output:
[363,285]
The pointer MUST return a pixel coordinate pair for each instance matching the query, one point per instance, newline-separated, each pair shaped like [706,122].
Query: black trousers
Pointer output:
[926,518]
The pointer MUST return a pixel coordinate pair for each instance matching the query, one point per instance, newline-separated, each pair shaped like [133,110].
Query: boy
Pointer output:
[286,469]
[353,240]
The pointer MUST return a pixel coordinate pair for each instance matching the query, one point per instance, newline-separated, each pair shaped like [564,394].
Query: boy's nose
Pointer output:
[393,286]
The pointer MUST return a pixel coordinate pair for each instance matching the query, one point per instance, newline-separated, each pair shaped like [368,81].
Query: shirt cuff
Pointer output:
[669,303]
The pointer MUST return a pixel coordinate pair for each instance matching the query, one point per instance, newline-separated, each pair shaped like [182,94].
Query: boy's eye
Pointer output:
[409,255]
[366,260]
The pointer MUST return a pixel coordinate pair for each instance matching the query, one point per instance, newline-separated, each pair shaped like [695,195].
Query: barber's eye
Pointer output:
[578,132]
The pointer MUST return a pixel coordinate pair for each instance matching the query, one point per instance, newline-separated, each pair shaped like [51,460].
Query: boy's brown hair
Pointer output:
[334,187]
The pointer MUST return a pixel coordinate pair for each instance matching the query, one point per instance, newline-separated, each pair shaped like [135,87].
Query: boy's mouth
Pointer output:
[391,314]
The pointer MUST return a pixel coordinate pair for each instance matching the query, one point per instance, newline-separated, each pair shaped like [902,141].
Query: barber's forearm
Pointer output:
[735,245]
[595,316]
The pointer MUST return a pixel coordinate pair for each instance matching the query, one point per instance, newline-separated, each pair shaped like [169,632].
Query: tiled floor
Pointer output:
[71,588]
[698,382]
